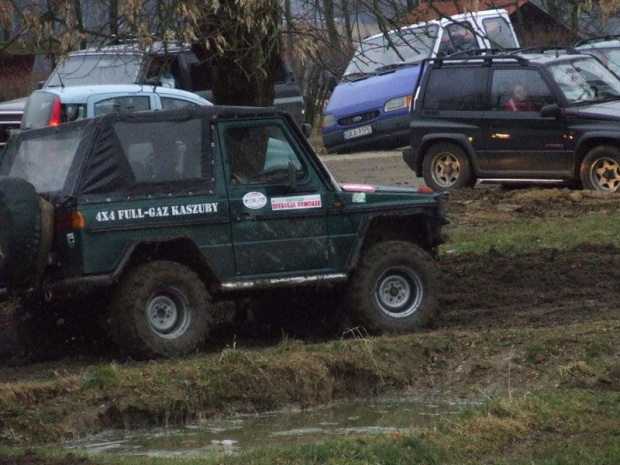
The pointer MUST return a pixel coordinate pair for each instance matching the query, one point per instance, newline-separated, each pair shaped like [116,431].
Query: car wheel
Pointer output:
[600,170]
[160,309]
[393,288]
[446,166]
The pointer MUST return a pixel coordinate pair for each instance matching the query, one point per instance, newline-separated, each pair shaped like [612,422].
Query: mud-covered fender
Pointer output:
[427,235]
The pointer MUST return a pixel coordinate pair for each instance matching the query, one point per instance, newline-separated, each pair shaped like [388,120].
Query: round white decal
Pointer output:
[254,200]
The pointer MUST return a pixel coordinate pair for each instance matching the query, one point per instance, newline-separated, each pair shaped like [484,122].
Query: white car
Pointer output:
[55,105]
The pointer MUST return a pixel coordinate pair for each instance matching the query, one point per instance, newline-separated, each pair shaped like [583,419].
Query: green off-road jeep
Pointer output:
[160,214]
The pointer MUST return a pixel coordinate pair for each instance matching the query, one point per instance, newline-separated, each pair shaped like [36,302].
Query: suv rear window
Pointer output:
[44,161]
[121,68]
[456,89]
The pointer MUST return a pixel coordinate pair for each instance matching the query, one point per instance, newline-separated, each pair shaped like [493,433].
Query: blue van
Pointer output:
[371,105]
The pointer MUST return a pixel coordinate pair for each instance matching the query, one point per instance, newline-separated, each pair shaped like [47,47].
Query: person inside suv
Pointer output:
[519,100]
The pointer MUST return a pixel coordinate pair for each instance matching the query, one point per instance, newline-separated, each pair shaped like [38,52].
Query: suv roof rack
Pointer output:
[593,40]
[547,48]
[476,55]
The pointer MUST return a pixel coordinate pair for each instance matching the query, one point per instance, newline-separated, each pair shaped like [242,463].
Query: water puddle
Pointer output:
[243,432]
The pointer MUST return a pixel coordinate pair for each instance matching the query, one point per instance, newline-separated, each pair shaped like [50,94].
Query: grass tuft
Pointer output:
[104,377]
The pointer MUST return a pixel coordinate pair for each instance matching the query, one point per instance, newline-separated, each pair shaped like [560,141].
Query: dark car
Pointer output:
[539,118]
[159,213]
[169,65]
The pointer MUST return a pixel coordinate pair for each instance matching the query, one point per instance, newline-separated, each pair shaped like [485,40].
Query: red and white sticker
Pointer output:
[357,187]
[299,202]
[254,200]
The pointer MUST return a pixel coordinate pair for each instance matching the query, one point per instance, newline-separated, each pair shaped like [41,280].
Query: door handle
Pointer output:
[245,217]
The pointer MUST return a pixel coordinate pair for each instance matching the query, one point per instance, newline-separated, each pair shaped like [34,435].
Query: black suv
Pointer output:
[517,117]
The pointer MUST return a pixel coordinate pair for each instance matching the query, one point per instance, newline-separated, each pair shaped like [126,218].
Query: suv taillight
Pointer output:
[55,117]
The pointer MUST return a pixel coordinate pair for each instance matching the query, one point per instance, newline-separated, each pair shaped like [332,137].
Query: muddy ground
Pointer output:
[489,291]
[480,294]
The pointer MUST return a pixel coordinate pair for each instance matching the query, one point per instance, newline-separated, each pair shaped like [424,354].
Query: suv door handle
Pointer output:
[245,217]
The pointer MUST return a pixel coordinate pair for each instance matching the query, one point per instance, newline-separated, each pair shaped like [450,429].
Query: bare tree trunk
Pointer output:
[113,17]
[244,73]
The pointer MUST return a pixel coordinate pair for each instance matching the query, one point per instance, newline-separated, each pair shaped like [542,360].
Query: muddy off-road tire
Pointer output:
[446,166]
[600,170]
[26,232]
[393,288]
[160,309]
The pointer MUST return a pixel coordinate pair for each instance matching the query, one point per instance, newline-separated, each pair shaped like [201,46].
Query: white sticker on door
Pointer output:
[254,200]
[296,203]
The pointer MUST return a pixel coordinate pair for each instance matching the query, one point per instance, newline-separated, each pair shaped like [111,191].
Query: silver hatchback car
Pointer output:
[56,105]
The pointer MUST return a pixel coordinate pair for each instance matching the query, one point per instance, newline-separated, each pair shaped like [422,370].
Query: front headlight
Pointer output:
[328,120]
[398,103]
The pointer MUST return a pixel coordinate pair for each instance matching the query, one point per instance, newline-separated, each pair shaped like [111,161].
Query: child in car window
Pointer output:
[519,100]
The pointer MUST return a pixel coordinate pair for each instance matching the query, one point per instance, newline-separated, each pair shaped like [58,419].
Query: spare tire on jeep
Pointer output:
[26,232]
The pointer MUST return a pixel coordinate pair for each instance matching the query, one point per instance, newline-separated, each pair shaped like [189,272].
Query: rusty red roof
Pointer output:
[441,9]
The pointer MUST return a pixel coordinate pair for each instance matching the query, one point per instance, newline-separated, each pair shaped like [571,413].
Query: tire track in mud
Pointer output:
[545,288]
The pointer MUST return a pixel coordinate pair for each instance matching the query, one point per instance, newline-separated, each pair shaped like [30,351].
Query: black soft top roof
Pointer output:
[107,169]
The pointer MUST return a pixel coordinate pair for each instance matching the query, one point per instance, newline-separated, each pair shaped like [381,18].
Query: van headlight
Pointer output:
[398,103]
[328,120]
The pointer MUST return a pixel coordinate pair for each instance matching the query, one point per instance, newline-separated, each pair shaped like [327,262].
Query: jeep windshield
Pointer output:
[43,157]
[100,68]
[405,46]
[585,80]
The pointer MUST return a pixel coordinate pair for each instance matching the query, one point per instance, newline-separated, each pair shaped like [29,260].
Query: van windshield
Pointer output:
[78,70]
[408,45]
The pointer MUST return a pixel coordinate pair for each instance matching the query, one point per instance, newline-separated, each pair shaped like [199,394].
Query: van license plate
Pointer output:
[357,132]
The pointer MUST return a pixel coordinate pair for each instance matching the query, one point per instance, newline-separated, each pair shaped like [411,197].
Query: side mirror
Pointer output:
[307,129]
[292,176]
[332,82]
[551,111]
[40,85]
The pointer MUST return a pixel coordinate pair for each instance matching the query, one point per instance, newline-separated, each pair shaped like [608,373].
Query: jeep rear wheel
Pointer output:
[393,288]
[161,309]
[600,170]
[446,166]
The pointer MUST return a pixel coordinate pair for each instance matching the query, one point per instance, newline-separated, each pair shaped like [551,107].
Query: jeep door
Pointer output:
[518,142]
[279,219]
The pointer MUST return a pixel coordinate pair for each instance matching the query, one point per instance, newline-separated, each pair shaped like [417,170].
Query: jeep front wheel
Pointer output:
[160,309]
[446,166]
[600,170]
[393,288]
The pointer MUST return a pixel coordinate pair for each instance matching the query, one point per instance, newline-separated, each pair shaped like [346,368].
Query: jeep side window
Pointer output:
[499,32]
[457,38]
[456,89]
[519,90]
[122,105]
[260,154]
[162,151]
